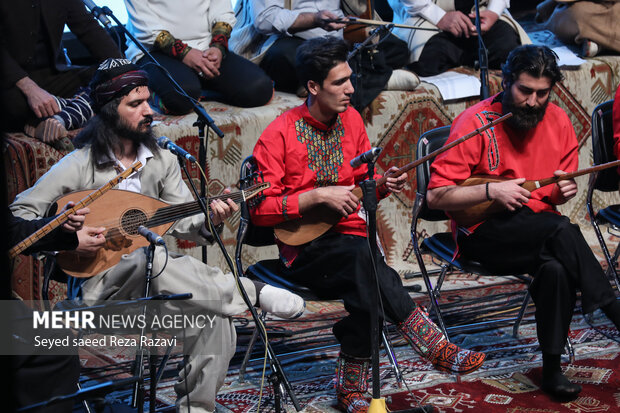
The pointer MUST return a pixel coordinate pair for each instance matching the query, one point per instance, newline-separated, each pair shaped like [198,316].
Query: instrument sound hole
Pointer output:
[131,220]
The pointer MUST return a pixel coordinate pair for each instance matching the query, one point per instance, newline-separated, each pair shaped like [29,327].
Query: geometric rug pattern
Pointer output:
[507,382]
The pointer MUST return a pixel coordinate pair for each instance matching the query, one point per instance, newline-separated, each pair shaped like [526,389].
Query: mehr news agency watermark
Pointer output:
[110,325]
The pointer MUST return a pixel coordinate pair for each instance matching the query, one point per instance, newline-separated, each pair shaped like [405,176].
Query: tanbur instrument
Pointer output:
[320,219]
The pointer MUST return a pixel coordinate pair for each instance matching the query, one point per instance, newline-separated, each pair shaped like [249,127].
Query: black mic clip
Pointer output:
[165,143]
[151,236]
[367,157]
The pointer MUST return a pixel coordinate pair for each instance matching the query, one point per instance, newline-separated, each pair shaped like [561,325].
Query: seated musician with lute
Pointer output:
[118,136]
[305,154]
[523,232]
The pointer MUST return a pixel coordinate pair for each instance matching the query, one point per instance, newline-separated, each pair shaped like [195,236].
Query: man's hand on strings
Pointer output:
[220,210]
[563,190]
[90,239]
[395,183]
[338,198]
[75,221]
[509,193]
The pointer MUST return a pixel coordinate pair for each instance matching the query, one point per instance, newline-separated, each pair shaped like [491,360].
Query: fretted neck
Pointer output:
[358,192]
[554,179]
[175,212]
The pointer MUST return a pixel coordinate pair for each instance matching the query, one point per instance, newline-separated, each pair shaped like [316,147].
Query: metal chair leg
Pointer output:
[517,324]
[570,350]
[432,294]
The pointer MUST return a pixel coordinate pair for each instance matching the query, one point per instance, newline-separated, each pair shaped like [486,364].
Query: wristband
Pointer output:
[486,187]
[171,46]
[220,33]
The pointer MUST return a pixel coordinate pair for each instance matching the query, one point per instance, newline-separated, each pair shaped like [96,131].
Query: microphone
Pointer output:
[166,143]
[97,12]
[366,157]
[151,236]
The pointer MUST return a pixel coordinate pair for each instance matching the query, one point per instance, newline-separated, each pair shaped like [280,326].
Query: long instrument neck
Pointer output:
[554,179]
[174,212]
[357,191]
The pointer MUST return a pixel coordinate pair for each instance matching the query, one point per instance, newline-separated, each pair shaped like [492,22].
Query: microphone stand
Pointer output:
[483,58]
[356,53]
[278,377]
[96,391]
[369,201]
[138,388]
[203,121]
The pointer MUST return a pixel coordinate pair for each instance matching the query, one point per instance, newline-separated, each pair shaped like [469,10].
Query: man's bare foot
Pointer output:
[49,130]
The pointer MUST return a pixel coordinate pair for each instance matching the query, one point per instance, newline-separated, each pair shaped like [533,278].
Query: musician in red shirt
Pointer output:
[529,235]
[305,154]
[616,123]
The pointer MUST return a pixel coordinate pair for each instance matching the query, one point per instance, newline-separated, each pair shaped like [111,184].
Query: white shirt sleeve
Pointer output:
[270,16]
[424,8]
[221,11]
[144,23]
[498,6]
[433,13]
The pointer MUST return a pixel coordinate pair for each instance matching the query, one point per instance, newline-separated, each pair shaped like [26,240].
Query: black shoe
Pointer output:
[560,388]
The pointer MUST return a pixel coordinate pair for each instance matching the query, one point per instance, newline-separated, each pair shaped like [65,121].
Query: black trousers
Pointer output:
[38,378]
[15,111]
[339,266]
[279,64]
[444,51]
[240,83]
[553,251]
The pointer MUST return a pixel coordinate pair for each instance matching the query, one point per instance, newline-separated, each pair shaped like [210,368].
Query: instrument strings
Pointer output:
[161,215]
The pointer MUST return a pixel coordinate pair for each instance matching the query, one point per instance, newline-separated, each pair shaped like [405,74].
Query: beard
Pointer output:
[523,117]
[142,134]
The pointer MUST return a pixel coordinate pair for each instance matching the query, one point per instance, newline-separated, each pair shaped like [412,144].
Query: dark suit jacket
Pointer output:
[20,25]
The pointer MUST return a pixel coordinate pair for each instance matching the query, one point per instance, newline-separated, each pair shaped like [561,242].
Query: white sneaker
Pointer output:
[281,303]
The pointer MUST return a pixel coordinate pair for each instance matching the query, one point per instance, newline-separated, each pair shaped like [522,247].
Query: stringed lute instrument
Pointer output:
[121,213]
[319,220]
[478,213]
[62,218]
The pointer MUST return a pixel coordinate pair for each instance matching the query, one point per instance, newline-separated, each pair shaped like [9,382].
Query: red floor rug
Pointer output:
[518,392]
[507,382]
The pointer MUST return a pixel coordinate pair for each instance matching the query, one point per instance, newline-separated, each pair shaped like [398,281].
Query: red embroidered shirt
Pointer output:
[297,153]
[616,124]
[504,151]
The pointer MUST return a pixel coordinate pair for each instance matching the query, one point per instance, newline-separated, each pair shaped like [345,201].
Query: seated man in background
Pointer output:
[528,235]
[589,24]
[113,140]
[190,39]
[270,31]
[34,72]
[305,154]
[456,44]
